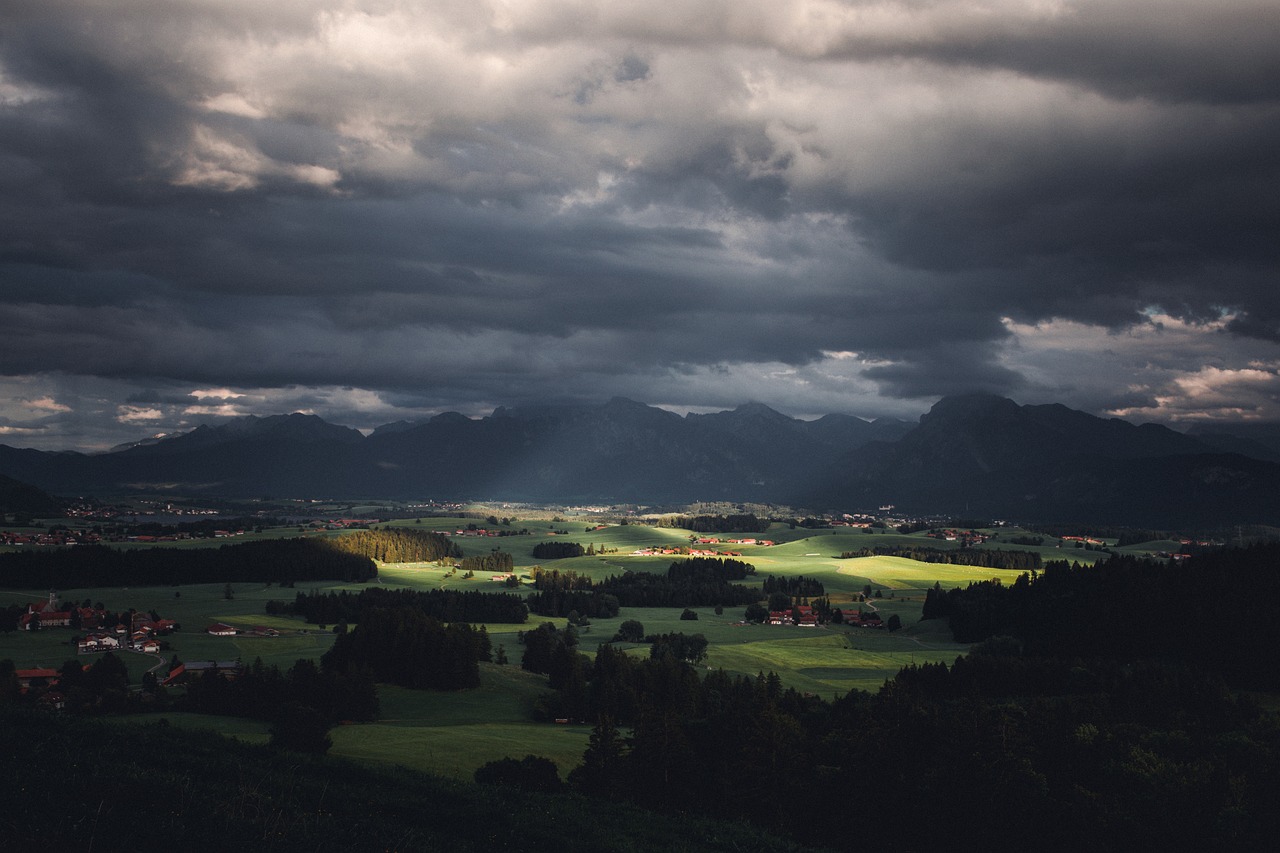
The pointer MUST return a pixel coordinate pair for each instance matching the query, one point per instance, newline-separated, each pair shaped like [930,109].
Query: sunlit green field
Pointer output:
[454,733]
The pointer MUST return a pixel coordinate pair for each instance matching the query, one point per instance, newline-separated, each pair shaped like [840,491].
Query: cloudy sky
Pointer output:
[383,209]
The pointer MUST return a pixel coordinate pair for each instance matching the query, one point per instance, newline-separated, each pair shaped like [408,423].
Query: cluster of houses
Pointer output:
[341,523]
[711,540]
[862,620]
[66,538]
[683,552]
[802,614]
[805,616]
[966,538]
[105,630]
[54,537]
[140,636]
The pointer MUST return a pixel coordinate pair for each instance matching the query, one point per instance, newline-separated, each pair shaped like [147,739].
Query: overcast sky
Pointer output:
[376,210]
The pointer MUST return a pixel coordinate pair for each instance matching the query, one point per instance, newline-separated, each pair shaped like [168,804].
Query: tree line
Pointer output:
[284,561]
[738,523]
[494,561]
[798,586]
[262,692]
[1109,754]
[1126,607]
[698,582]
[558,550]
[399,545]
[444,605]
[404,646]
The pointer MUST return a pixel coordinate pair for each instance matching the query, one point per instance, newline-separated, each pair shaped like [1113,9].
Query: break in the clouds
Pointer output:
[376,210]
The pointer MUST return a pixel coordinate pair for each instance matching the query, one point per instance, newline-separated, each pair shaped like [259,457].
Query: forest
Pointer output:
[494,561]
[283,561]
[399,545]
[696,582]
[1127,608]
[443,605]
[739,523]
[557,550]
[401,645]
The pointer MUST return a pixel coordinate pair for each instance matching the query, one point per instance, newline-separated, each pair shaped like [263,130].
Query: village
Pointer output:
[107,631]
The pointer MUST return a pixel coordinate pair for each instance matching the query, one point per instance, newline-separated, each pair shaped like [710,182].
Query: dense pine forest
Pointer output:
[444,605]
[284,561]
[557,550]
[1127,608]
[740,523]
[261,692]
[494,561]
[400,645]
[398,545]
[1101,754]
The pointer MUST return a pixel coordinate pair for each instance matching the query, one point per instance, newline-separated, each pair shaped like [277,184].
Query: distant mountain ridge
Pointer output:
[619,451]
[986,455]
[972,454]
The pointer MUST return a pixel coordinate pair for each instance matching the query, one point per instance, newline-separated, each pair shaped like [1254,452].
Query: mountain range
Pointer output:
[971,454]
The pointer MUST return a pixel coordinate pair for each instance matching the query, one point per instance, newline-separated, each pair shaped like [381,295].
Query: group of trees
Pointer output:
[558,550]
[303,702]
[798,586]
[401,645]
[445,605]
[1126,607]
[739,523]
[494,561]
[698,582]
[399,545]
[557,593]
[283,561]
[980,557]
[1116,754]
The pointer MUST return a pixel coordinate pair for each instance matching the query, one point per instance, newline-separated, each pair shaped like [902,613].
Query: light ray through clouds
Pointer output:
[383,209]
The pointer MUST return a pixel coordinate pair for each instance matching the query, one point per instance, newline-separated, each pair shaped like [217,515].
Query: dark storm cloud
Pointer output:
[395,209]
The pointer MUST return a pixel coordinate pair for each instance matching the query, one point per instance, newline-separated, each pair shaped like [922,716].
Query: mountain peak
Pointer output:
[969,406]
[756,409]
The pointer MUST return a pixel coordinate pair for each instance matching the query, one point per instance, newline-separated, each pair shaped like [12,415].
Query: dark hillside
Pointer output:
[23,498]
[203,792]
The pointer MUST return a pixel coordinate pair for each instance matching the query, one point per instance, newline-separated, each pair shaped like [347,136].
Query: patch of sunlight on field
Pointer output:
[904,573]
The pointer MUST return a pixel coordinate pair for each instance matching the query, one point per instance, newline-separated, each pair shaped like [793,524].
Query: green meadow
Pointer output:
[454,733]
